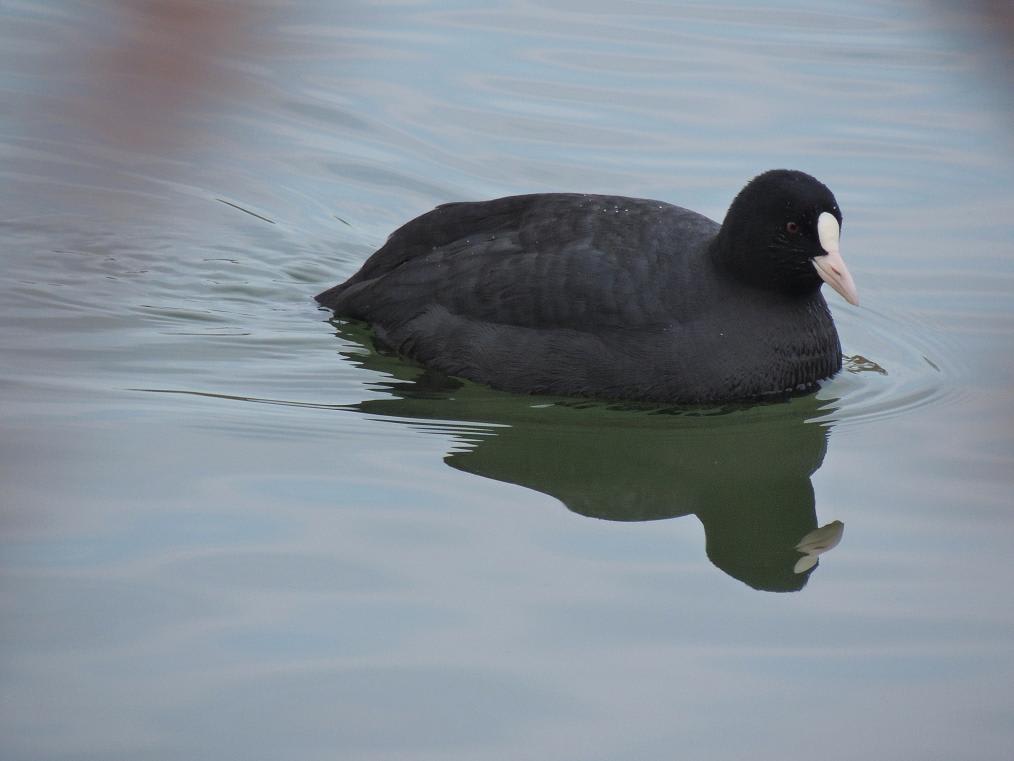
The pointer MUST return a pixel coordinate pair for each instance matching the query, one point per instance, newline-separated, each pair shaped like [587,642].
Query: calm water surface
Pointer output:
[230,529]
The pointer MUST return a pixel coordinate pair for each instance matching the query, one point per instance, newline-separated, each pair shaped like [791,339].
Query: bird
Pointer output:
[614,298]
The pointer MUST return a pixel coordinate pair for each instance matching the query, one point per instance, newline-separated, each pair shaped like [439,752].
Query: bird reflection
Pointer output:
[744,471]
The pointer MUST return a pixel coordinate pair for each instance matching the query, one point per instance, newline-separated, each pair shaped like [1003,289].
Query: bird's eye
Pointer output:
[792,228]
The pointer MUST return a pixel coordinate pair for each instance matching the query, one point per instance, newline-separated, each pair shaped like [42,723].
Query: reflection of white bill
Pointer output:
[816,543]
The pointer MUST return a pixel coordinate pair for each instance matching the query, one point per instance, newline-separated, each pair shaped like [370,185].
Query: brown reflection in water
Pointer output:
[990,23]
[157,64]
[997,17]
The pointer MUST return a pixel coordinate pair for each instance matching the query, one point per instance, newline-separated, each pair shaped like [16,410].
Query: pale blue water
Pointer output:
[228,532]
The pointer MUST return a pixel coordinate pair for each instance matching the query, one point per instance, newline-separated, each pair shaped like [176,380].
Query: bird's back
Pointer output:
[545,261]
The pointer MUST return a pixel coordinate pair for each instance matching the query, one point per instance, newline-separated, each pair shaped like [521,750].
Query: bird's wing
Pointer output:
[549,261]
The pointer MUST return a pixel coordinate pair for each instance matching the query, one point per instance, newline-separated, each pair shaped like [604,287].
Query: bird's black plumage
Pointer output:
[607,296]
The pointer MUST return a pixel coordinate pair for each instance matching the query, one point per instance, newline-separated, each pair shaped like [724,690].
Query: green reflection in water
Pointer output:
[744,471]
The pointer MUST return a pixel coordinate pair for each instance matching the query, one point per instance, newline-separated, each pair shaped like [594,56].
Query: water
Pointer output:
[232,529]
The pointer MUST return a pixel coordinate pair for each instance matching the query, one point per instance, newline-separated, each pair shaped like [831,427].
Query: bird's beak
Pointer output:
[829,265]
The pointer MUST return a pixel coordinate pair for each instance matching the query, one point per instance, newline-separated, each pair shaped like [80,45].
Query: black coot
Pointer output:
[613,297]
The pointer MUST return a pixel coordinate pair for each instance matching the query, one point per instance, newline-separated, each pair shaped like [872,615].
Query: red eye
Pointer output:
[792,227]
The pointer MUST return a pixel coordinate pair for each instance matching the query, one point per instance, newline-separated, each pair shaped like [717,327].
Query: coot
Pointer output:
[614,297]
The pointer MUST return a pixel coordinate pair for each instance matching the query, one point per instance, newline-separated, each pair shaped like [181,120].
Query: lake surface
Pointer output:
[230,529]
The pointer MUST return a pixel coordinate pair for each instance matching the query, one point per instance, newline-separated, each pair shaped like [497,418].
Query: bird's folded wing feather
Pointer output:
[581,262]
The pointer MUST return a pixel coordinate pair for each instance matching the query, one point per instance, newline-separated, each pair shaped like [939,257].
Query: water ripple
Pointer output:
[893,366]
